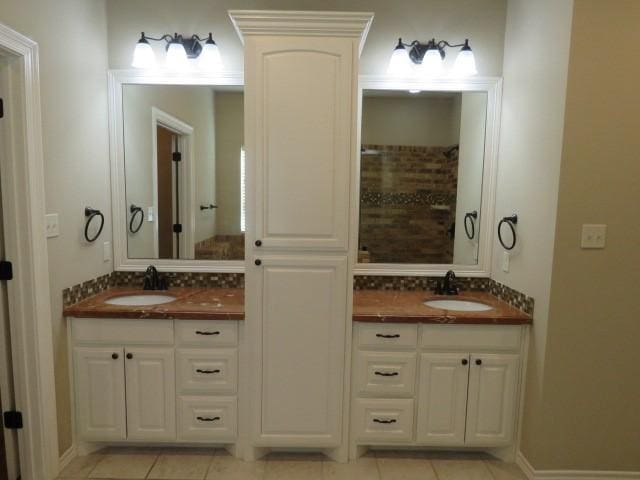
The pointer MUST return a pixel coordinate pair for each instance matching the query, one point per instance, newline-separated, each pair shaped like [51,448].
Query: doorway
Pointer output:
[27,388]
[9,455]
[173,186]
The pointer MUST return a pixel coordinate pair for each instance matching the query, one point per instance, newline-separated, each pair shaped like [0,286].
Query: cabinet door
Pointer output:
[442,398]
[99,393]
[299,104]
[492,399]
[151,394]
[303,322]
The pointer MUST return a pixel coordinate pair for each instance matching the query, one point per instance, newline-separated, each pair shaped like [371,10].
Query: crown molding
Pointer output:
[303,23]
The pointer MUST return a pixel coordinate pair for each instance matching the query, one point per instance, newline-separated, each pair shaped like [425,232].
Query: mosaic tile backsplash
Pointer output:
[89,288]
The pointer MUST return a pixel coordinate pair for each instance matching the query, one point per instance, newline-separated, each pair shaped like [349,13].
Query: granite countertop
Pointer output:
[407,307]
[190,303]
[368,306]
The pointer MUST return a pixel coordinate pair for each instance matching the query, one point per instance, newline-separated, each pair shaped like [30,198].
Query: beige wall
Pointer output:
[410,120]
[229,112]
[529,164]
[482,21]
[73,62]
[192,105]
[591,418]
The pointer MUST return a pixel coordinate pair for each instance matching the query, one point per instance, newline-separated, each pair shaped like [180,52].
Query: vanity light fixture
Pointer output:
[179,50]
[426,59]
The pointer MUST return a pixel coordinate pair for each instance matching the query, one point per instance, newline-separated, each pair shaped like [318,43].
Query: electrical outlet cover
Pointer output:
[593,236]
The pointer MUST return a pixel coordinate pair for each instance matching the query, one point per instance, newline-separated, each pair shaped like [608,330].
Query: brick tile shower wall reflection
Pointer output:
[407,204]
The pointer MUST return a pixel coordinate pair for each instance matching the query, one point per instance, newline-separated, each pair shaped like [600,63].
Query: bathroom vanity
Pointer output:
[322,176]
[164,373]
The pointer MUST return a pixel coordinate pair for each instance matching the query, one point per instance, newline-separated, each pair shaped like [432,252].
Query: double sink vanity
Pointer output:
[333,201]
[165,367]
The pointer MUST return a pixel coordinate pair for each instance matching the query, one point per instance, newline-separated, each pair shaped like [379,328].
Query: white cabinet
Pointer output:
[151,395]
[492,399]
[464,389]
[442,399]
[300,77]
[155,381]
[105,412]
[100,394]
[303,329]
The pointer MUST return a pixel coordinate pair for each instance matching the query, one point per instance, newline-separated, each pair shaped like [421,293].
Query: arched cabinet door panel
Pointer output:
[302,134]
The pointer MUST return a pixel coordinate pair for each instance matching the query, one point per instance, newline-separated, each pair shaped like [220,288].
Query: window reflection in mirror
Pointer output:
[184,165]
[421,168]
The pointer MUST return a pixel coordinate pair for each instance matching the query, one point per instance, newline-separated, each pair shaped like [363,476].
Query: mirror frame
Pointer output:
[493,87]
[116,79]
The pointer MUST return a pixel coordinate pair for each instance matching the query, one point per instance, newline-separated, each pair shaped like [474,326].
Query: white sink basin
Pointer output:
[141,300]
[459,305]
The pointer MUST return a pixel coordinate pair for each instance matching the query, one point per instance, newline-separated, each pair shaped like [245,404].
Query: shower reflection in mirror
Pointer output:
[183,150]
[421,172]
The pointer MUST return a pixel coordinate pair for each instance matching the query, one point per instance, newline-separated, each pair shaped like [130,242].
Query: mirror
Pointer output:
[183,171]
[422,166]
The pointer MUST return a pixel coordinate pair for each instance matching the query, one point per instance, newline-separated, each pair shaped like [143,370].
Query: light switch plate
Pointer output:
[505,262]
[593,236]
[51,225]
[106,251]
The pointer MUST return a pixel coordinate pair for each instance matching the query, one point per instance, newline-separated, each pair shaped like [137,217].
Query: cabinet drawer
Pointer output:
[470,337]
[208,419]
[383,420]
[206,333]
[207,372]
[387,336]
[122,331]
[386,374]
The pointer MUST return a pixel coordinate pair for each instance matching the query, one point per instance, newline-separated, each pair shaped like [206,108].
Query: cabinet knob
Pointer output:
[478,362]
[114,356]
[129,356]
[258,262]
[258,243]
[465,361]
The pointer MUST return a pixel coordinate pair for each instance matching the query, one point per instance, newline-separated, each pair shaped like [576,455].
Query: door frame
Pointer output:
[187,179]
[23,197]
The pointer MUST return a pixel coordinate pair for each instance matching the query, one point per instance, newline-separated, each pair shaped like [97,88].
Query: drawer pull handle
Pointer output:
[199,370]
[387,374]
[200,332]
[393,335]
[208,419]
[478,362]
[377,420]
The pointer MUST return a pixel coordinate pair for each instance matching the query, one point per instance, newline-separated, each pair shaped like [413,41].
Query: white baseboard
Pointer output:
[66,457]
[533,474]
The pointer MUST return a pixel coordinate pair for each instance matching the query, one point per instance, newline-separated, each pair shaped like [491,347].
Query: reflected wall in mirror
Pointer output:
[184,171]
[421,171]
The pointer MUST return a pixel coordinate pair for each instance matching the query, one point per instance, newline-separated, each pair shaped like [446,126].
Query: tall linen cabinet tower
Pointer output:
[301,85]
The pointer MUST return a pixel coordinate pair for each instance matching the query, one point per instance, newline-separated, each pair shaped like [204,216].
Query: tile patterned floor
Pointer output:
[205,464]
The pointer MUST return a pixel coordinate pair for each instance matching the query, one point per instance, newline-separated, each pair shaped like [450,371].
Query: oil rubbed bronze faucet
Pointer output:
[448,285]
[153,280]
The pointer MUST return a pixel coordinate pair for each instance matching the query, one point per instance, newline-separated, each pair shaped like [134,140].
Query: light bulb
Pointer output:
[431,63]
[465,65]
[143,56]
[209,59]
[176,56]
[400,65]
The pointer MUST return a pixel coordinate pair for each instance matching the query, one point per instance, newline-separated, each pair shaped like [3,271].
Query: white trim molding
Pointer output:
[533,474]
[118,78]
[302,23]
[23,198]
[493,88]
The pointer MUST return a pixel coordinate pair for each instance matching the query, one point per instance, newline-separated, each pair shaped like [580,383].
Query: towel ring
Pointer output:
[135,210]
[90,214]
[472,217]
[511,222]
